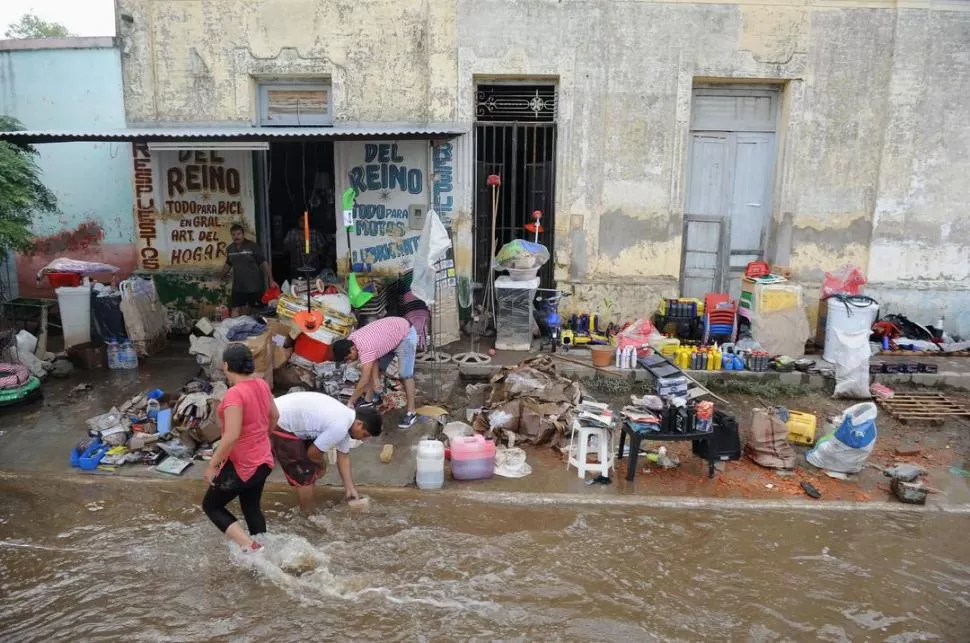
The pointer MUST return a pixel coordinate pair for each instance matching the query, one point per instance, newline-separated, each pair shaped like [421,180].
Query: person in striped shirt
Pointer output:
[375,346]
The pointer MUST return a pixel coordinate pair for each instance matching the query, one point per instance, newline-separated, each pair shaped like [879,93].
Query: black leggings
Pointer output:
[227,486]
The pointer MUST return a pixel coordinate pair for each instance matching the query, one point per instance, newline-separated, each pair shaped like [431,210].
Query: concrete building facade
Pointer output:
[666,144]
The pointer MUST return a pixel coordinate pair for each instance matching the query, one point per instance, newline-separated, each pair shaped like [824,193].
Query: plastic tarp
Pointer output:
[146,319]
[521,254]
[432,247]
[64,264]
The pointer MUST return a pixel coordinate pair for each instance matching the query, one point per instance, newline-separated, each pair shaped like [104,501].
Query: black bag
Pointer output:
[725,441]
[107,321]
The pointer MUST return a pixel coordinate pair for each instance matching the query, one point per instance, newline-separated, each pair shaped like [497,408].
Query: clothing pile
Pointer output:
[532,402]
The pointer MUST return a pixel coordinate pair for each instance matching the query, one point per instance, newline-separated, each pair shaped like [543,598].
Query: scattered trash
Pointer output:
[173,466]
[881,391]
[80,388]
[598,480]
[510,462]
[836,475]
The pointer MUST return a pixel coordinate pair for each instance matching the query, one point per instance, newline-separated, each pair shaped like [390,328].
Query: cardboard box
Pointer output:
[141,440]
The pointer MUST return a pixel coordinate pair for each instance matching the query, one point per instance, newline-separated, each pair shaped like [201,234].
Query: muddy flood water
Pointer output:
[112,560]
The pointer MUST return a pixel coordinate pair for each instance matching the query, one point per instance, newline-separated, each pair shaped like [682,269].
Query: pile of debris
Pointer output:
[156,429]
[530,402]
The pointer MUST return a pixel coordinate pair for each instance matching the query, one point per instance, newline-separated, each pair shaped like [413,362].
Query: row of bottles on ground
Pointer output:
[122,354]
[712,358]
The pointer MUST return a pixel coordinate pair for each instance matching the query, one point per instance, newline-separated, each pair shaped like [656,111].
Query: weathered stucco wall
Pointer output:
[62,85]
[194,61]
[873,137]
[861,80]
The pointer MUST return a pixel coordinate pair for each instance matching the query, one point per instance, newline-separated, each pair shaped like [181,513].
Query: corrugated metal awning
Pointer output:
[337,132]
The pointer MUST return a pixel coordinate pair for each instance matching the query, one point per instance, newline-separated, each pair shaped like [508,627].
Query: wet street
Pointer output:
[108,559]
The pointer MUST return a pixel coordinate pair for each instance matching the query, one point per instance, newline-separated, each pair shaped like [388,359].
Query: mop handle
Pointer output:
[306,232]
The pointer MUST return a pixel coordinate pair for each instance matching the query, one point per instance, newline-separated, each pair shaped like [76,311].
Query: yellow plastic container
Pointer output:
[801,428]
[669,346]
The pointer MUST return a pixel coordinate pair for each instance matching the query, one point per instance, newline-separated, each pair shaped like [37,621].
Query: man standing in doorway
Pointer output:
[250,272]
[310,424]
[375,346]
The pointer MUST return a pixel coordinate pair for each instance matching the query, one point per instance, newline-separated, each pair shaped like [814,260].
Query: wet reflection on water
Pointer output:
[124,559]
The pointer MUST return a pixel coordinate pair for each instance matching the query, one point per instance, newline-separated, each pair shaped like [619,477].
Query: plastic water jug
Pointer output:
[114,354]
[472,458]
[431,464]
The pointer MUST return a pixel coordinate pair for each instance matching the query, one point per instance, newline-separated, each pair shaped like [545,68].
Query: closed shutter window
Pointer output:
[293,105]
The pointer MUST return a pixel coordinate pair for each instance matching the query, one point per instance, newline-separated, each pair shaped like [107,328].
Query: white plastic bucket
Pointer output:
[852,316]
[75,306]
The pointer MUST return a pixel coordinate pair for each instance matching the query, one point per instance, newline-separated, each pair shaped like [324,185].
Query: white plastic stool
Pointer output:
[579,447]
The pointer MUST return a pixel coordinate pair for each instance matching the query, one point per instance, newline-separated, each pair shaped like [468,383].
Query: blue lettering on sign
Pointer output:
[380,228]
[383,170]
[442,170]
[368,211]
[387,251]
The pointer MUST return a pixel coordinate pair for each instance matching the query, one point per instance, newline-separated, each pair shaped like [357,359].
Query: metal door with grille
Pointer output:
[515,138]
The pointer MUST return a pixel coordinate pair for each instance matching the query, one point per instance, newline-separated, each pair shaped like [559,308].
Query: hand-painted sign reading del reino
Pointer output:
[392,189]
[185,203]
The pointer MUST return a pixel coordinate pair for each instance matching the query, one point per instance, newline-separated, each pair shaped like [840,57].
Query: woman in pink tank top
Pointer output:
[244,459]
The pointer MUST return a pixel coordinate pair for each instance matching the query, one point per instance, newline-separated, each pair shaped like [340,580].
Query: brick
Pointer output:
[387,453]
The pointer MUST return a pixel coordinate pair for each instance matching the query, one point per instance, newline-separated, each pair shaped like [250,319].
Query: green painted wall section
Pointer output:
[196,294]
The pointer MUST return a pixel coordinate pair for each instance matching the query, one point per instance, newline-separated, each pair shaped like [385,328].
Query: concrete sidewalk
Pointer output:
[37,439]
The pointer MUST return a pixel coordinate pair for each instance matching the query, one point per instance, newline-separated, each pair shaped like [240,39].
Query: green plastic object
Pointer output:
[17,393]
[358,296]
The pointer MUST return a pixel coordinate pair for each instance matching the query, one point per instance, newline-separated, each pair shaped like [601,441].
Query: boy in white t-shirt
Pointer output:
[310,425]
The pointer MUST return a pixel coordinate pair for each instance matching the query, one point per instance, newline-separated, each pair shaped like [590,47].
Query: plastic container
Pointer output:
[92,456]
[75,307]
[128,356]
[64,279]
[513,303]
[164,421]
[114,354]
[602,354]
[310,349]
[802,428]
[848,315]
[431,464]
[472,458]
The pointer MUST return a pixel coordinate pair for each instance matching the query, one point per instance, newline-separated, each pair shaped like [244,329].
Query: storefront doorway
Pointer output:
[301,179]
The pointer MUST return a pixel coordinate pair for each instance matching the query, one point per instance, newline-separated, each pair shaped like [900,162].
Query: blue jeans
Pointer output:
[406,352]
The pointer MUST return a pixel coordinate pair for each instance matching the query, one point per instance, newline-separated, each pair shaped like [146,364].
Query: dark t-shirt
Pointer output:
[246,261]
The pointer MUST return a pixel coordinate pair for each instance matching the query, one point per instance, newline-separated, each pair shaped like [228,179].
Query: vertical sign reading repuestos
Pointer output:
[187,203]
[391,179]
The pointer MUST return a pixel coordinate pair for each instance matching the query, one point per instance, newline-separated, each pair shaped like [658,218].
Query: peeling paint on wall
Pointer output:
[89,233]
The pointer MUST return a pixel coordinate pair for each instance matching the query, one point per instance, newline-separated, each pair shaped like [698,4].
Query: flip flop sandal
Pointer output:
[810,490]
[598,480]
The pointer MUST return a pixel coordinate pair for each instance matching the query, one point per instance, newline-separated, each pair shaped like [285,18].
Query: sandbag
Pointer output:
[766,441]
[851,353]
[846,449]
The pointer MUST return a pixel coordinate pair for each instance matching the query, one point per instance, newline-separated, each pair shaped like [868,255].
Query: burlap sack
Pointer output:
[766,441]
